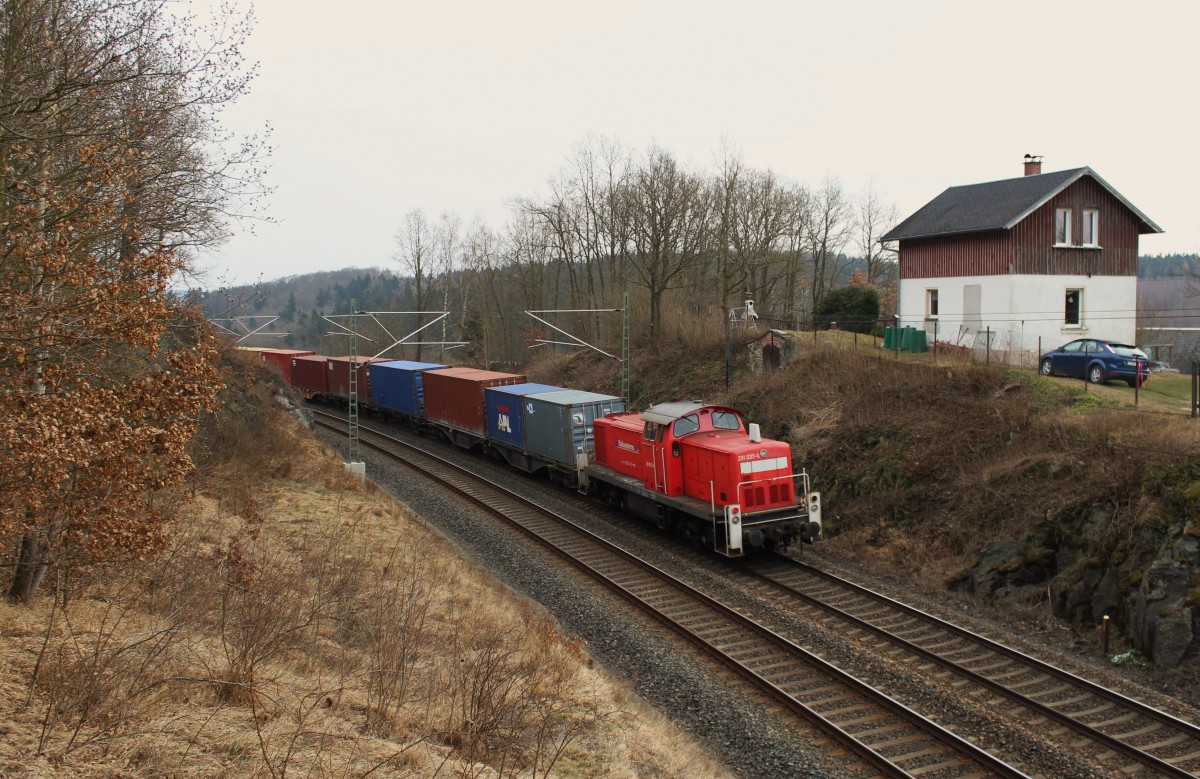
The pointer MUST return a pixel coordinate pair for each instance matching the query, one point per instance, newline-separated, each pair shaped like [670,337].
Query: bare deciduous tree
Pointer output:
[875,218]
[414,254]
[668,213]
[829,226]
[114,165]
[796,230]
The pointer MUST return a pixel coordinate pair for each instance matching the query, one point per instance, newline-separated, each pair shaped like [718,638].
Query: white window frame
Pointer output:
[931,303]
[1091,221]
[1078,323]
[1062,218]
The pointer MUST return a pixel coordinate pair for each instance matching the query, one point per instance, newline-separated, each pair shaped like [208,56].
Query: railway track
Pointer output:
[888,738]
[1126,735]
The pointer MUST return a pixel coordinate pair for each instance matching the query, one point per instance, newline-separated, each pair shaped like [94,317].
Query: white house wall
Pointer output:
[1020,309]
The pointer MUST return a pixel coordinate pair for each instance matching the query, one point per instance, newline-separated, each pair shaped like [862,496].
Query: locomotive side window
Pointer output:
[726,420]
[650,432]
[685,425]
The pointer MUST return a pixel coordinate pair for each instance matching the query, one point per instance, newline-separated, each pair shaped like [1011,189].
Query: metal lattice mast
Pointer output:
[352,455]
[625,348]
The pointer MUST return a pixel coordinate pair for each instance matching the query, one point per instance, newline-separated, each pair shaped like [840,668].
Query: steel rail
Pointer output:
[964,748]
[1031,663]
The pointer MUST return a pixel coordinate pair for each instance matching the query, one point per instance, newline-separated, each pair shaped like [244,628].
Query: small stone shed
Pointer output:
[773,349]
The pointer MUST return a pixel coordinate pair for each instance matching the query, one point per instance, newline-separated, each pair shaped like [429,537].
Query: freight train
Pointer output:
[692,468]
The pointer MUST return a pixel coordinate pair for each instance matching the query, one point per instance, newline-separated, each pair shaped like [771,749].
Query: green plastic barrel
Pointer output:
[917,342]
[906,338]
[889,338]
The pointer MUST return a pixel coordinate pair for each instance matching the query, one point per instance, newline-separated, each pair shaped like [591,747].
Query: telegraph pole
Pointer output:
[352,456]
[625,348]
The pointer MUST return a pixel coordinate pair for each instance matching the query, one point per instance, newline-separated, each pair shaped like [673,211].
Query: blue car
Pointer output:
[1098,361]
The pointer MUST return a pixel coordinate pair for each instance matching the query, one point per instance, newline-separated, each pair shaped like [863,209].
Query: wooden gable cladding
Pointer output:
[1033,237]
[1028,248]
[986,253]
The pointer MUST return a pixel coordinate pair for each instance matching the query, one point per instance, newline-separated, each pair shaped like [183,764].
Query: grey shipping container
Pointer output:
[560,424]
[397,385]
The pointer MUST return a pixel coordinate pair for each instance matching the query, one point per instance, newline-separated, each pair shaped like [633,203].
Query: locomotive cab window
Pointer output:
[685,425]
[650,433]
[726,420]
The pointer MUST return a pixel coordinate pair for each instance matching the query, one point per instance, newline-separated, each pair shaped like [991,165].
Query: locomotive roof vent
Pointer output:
[755,432]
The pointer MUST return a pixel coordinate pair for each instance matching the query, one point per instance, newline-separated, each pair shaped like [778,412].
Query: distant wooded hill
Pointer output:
[1161,266]
[300,302]
[1168,292]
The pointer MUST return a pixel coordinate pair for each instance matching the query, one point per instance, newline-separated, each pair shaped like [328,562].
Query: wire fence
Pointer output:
[1179,386]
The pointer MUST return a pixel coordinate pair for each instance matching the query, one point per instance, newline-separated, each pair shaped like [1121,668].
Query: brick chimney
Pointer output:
[1033,164]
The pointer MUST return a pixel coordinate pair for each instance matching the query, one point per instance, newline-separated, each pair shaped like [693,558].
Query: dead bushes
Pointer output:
[922,465]
[293,642]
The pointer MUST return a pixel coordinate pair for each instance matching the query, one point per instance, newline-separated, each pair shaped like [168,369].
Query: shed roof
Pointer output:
[998,205]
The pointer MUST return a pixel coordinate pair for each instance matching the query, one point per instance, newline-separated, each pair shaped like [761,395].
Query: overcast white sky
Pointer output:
[383,106]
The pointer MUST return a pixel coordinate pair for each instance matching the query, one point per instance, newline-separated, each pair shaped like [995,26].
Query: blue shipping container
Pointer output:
[504,412]
[397,385]
[558,425]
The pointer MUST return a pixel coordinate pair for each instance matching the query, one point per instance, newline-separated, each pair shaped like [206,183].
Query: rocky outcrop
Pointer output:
[1149,581]
[300,412]
[1012,570]
[1162,622]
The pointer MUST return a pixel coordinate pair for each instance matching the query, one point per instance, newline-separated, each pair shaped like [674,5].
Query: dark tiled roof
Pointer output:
[996,205]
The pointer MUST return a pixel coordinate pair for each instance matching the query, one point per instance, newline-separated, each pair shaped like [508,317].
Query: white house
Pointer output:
[1031,262]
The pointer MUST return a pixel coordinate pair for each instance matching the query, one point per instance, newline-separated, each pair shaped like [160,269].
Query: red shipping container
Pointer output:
[339,377]
[281,359]
[311,374]
[455,396]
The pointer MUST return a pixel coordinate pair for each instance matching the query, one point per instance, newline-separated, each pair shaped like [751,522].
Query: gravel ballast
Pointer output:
[685,686]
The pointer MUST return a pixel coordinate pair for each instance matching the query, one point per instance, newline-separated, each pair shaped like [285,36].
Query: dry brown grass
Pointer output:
[923,464]
[924,459]
[307,624]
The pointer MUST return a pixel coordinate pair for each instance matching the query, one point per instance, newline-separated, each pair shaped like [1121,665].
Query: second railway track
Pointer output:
[888,738]
[1118,734]
[1128,735]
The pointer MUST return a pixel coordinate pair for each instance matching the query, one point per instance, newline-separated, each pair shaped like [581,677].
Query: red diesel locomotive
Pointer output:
[692,468]
[695,470]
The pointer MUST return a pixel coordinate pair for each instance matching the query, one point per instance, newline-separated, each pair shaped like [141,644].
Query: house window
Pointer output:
[1074,305]
[1091,228]
[1062,227]
[931,303]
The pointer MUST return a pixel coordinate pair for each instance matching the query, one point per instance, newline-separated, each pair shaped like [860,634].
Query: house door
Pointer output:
[972,320]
